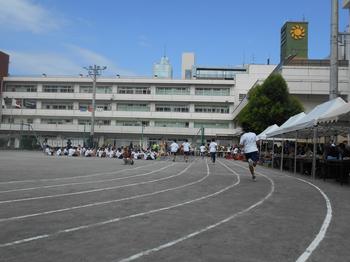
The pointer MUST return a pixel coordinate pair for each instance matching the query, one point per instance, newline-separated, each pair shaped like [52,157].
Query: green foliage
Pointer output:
[268,104]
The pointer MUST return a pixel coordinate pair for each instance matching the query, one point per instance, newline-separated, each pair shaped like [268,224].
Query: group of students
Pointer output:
[248,143]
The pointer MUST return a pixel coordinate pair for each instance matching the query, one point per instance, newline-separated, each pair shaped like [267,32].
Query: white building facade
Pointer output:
[128,110]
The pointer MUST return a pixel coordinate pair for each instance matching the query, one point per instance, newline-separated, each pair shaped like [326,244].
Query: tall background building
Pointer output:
[294,40]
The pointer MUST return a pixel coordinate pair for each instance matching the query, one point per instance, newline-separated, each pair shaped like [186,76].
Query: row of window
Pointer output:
[210,91]
[107,122]
[83,107]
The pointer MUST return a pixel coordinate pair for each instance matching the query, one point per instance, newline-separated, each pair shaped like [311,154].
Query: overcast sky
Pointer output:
[60,37]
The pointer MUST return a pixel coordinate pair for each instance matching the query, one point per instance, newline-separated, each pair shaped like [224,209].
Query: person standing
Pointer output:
[174,147]
[248,142]
[186,148]
[212,149]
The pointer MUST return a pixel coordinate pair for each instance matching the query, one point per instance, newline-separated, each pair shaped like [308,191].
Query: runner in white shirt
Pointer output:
[174,147]
[212,149]
[186,148]
[202,149]
[248,143]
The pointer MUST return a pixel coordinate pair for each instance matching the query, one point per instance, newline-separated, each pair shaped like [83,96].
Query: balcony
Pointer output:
[55,129]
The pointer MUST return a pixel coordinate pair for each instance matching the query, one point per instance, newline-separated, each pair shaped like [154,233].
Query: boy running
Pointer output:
[248,143]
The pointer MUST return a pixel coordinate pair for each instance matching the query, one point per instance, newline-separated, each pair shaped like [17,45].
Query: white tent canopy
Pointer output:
[290,122]
[304,124]
[271,128]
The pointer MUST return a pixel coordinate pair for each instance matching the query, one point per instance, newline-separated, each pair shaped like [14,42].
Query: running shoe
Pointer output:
[254,178]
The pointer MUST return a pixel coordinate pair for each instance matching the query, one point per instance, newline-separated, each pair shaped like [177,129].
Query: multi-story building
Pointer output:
[127,109]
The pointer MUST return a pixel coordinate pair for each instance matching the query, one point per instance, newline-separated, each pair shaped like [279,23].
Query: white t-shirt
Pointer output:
[212,147]
[174,147]
[248,141]
[186,146]
[202,148]
[71,151]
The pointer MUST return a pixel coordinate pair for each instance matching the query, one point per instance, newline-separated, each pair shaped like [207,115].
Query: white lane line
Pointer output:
[122,218]
[87,191]
[72,177]
[110,201]
[321,234]
[72,184]
[323,230]
[196,233]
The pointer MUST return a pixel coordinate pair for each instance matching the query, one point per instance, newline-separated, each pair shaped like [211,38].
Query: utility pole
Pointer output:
[93,71]
[333,77]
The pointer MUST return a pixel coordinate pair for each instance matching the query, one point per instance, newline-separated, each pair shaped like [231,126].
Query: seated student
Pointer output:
[59,151]
[48,151]
[65,151]
[127,156]
[72,152]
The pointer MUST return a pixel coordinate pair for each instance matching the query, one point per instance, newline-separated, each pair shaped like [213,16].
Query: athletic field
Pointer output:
[90,209]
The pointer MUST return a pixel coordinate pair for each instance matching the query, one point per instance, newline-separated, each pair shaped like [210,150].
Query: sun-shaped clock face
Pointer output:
[297,32]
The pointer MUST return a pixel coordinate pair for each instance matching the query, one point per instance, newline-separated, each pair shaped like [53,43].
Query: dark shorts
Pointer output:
[174,153]
[253,156]
[186,153]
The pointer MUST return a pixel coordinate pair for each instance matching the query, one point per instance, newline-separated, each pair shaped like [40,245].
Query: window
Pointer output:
[99,89]
[172,108]
[171,124]
[58,89]
[103,122]
[211,109]
[61,106]
[132,123]
[172,90]
[212,91]
[29,104]
[241,96]
[142,90]
[52,121]
[133,107]
[20,88]
[211,124]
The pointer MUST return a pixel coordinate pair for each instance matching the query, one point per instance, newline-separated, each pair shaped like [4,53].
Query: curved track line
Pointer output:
[72,177]
[176,241]
[120,218]
[109,201]
[90,191]
[76,183]
[326,222]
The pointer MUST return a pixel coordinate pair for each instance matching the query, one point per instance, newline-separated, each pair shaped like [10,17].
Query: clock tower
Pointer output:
[294,40]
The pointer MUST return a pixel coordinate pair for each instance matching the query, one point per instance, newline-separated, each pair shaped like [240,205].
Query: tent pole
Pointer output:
[295,152]
[273,151]
[314,153]
[282,154]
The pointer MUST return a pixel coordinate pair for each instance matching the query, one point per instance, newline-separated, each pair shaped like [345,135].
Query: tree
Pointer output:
[268,104]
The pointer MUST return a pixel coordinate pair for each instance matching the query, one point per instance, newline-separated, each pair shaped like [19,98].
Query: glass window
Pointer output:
[172,108]
[211,124]
[172,90]
[144,90]
[20,88]
[212,91]
[171,124]
[58,89]
[56,106]
[211,109]
[132,123]
[133,107]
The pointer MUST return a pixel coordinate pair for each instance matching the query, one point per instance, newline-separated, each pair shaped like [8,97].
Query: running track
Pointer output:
[89,209]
